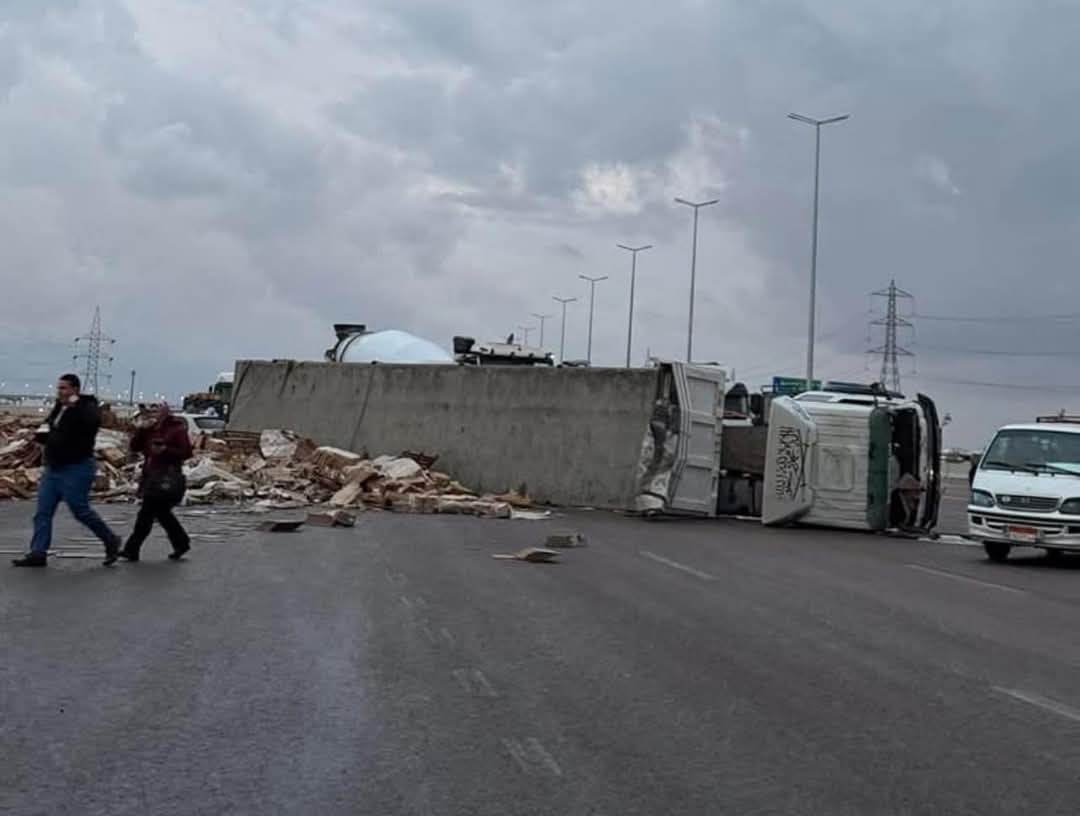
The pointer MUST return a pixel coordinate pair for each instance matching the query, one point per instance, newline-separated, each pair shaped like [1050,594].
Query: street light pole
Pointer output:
[541,318]
[693,272]
[562,338]
[525,333]
[592,301]
[633,278]
[817,123]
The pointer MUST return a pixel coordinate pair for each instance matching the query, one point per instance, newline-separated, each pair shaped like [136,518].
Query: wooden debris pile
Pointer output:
[273,470]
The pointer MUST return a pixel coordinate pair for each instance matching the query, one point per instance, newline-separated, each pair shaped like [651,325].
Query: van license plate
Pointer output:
[1022,533]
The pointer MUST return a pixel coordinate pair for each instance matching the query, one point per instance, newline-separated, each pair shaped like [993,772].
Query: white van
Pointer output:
[1026,490]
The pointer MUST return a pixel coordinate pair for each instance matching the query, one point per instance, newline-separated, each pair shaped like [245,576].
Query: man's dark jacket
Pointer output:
[72,429]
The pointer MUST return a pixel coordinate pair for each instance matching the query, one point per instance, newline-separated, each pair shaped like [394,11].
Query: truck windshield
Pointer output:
[1036,451]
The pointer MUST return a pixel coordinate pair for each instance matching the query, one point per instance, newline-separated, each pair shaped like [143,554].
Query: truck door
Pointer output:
[931,477]
[787,494]
[696,472]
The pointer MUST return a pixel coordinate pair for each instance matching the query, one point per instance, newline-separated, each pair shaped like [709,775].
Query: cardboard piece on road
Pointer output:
[336,518]
[398,469]
[534,555]
[347,496]
[529,515]
[565,539]
[359,474]
[280,525]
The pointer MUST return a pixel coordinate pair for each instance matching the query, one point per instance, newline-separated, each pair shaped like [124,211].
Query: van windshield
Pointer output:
[1036,451]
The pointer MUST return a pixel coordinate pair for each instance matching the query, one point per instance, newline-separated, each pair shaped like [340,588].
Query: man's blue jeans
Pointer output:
[70,484]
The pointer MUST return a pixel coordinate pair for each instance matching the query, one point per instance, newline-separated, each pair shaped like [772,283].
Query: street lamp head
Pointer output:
[698,204]
[808,120]
[634,249]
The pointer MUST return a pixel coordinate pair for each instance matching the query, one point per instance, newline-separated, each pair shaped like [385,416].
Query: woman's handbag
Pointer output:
[165,484]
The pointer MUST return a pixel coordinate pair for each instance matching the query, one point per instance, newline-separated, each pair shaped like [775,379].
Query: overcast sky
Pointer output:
[227,179]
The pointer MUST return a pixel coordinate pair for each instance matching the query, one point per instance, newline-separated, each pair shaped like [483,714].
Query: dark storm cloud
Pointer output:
[309,162]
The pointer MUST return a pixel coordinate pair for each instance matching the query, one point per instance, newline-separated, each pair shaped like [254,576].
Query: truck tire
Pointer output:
[997,551]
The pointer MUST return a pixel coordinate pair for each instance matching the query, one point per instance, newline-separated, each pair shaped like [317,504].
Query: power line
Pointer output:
[998,318]
[999,352]
[1056,388]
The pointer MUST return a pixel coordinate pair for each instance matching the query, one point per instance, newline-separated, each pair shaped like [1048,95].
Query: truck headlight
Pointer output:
[981,498]
[1070,507]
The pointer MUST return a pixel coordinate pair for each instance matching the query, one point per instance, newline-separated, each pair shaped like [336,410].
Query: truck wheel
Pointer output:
[997,551]
[1054,554]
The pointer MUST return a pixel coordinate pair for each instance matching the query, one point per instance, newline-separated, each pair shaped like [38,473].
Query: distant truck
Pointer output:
[215,400]
[469,352]
[358,344]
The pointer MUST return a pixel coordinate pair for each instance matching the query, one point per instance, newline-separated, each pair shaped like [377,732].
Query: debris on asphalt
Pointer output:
[280,525]
[529,515]
[565,539]
[535,555]
[334,518]
[348,496]
[273,470]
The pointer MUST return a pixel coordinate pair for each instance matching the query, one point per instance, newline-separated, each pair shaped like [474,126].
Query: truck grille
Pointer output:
[1030,504]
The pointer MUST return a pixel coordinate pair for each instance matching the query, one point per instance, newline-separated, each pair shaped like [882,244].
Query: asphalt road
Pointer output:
[952,516]
[665,668]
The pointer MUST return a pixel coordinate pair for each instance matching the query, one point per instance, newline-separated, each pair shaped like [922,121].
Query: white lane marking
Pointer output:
[474,682]
[541,753]
[676,565]
[428,633]
[531,756]
[951,538]
[483,685]
[965,579]
[517,753]
[406,601]
[1045,703]
[445,633]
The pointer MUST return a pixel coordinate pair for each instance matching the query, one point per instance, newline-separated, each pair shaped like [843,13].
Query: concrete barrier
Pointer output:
[571,436]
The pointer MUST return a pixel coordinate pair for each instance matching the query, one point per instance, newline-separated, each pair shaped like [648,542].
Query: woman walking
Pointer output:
[164,442]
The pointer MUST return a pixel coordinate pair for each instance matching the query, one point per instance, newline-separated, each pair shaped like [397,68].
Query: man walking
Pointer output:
[70,468]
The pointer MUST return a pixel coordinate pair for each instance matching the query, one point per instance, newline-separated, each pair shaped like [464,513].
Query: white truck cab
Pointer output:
[1026,489]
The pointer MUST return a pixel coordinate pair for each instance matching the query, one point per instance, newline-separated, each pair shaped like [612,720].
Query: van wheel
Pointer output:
[996,551]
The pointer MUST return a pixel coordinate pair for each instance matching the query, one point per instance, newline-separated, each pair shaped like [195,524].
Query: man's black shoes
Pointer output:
[30,560]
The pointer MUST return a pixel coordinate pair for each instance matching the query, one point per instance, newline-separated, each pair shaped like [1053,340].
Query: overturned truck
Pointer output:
[847,456]
[670,439]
